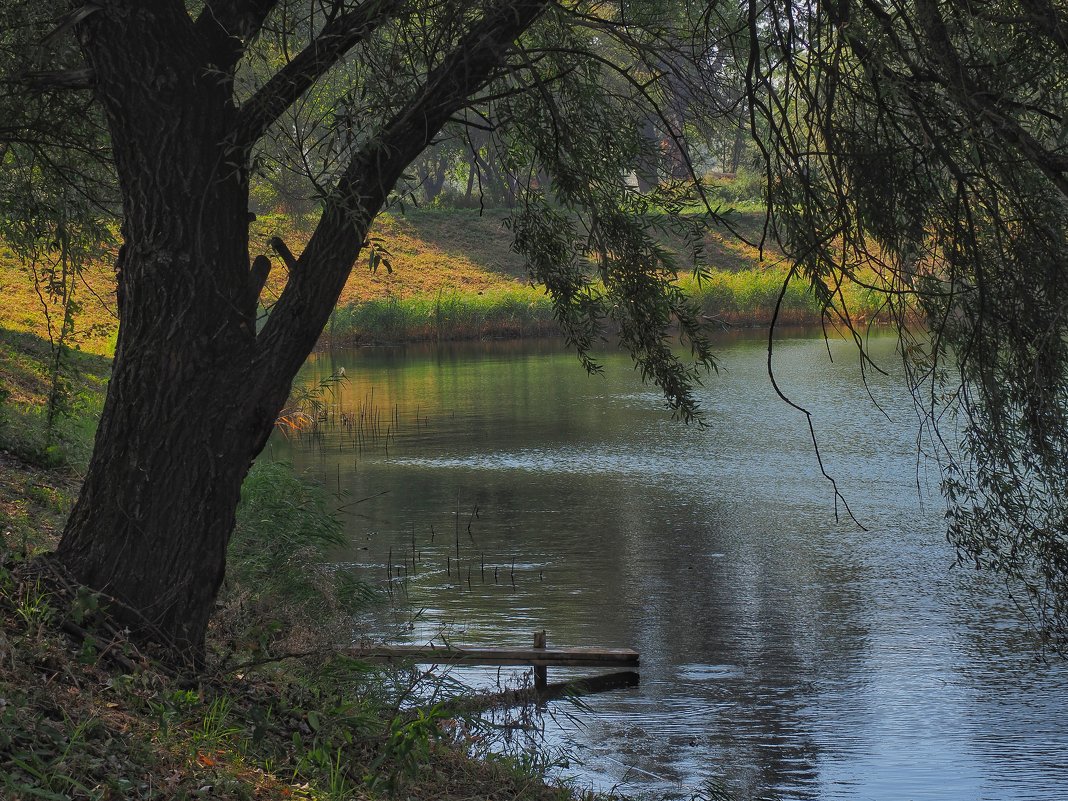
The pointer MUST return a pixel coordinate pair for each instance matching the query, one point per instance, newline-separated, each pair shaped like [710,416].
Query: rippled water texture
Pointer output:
[783,654]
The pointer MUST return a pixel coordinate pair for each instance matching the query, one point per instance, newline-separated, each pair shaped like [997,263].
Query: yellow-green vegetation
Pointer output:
[748,298]
[448,274]
[513,311]
[422,253]
[277,713]
[24,300]
[48,412]
[451,274]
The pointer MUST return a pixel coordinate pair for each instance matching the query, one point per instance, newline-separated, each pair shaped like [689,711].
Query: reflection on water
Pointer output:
[783,653]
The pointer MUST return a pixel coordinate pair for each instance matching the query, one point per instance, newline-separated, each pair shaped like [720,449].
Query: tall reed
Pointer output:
[744,297]
[522,311]
[748,298]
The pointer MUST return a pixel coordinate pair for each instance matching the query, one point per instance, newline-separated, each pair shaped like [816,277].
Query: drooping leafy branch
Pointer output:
[921,148]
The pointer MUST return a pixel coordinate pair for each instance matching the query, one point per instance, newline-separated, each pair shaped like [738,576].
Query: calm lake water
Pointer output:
[783,654]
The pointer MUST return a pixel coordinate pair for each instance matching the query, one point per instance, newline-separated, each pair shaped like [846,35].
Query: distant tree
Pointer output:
[191,99]
[922,147]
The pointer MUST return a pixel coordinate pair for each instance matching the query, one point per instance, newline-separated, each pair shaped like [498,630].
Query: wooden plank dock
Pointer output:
[539,694]
[482,655]
[539,657]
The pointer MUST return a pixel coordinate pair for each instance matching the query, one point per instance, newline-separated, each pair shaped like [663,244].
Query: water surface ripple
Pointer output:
[784,654]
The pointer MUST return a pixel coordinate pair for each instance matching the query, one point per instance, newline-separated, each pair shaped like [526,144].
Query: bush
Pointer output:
[745,190]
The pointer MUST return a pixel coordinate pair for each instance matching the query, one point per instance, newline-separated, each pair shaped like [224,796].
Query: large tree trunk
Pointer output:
[195,391]
[178,428]
[157,507]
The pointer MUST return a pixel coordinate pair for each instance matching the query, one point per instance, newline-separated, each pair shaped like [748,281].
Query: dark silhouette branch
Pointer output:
[261,268]
[286,86]
[60,79]
[227,26]
[68,21]
[284,252]
[325,264]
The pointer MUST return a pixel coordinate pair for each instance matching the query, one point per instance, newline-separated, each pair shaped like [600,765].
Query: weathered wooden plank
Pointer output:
[550,692]
[481,655]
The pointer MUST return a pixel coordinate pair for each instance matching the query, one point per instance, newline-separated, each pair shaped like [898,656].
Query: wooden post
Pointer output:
[541,672]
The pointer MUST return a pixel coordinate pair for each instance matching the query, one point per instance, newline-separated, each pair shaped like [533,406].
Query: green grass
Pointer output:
[280,592]
[25,387]
[743,297]
[748,298]
[74,726]
[522,311]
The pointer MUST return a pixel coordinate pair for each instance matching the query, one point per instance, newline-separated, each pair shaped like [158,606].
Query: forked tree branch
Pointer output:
[227,26]
[286,86]
[324,266]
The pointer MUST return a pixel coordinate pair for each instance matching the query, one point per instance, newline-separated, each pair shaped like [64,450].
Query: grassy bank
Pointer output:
[26,307]
[747,298]
[511,312]
[744,298]
[49,404]
[444,275]
[278,714]
[454,276]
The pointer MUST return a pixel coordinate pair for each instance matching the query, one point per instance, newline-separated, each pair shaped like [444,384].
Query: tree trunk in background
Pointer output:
[647,171]
[739,144]
[431,172]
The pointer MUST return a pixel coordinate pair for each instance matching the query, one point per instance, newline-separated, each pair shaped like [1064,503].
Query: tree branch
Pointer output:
[261,268]
[227,26]
[284,252]
[60,79]
[337,37]
[978,102]
[314,287]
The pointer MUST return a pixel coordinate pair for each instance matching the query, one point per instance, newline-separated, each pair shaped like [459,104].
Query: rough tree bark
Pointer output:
[194,390]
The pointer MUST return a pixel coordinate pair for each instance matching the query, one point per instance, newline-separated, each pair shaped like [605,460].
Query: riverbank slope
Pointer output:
[449,274]
[278,713]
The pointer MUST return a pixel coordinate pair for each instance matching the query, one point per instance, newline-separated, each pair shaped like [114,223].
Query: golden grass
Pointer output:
[428,251]
[432,254]
[22,307]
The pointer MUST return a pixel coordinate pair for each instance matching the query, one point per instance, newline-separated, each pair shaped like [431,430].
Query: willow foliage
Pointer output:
[929,138]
